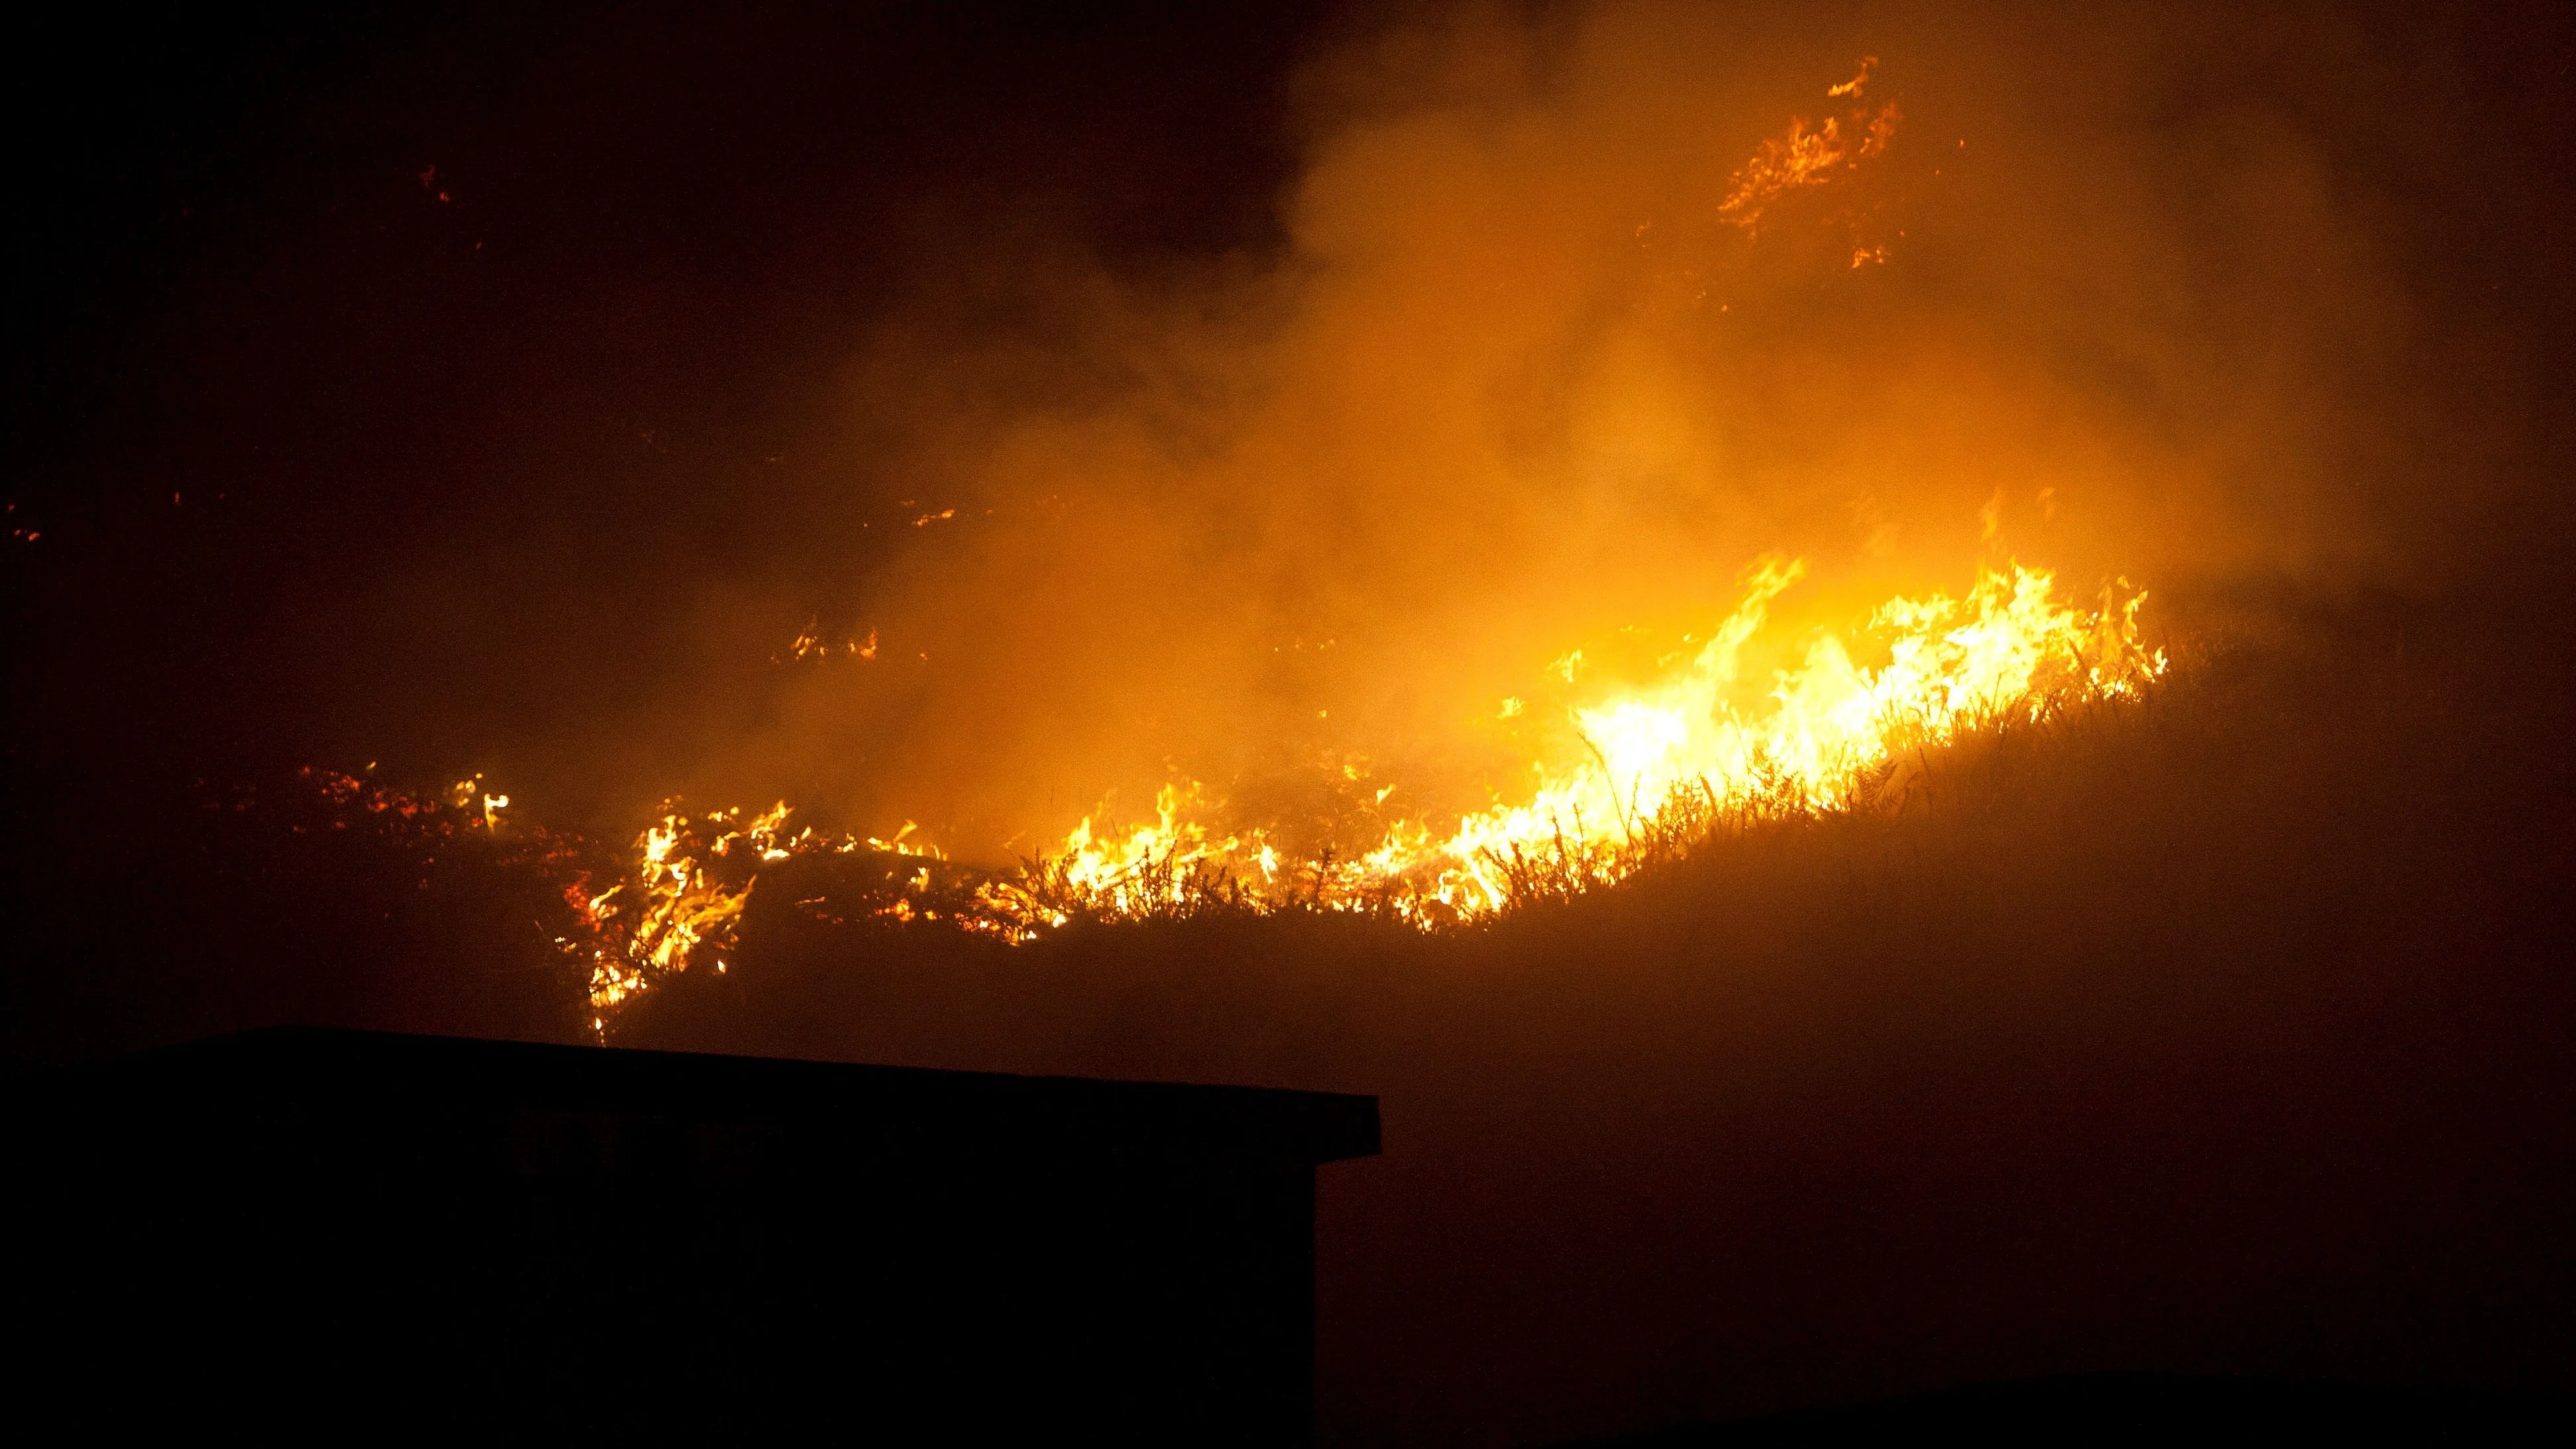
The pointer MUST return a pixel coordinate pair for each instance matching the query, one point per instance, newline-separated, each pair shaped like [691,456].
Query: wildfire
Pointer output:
[1660,766]
[1621,772]
[1652,769]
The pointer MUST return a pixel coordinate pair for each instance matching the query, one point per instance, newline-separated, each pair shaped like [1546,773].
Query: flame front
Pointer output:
[1659,766]
[1655,769]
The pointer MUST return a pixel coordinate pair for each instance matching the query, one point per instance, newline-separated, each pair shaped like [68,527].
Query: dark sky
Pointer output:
[388,380]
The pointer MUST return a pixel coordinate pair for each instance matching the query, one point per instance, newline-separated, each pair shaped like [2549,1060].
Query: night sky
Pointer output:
[472,345]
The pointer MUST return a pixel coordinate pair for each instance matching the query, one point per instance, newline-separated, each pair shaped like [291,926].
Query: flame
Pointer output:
[1853,86]
[1808,155]
[1645,772]
[1679,752]
[1660,764]
[674,900]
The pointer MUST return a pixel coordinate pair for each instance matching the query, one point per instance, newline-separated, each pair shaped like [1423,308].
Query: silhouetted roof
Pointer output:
[386,1079]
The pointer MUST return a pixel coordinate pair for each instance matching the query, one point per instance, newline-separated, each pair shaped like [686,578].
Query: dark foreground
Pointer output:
[2229,1035]
[308,1232]
[2127,1408]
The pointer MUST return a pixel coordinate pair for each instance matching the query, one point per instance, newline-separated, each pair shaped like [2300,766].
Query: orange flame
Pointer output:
[1668,760]
[1653,769]
[1807,156]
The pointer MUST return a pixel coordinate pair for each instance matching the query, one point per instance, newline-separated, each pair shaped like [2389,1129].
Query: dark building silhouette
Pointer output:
[366,1233]
[2116,1408]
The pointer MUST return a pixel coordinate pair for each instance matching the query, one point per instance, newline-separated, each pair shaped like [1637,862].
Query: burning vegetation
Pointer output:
[1626,778]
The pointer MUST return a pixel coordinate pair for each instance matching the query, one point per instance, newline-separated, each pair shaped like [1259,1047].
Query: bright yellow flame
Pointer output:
[1660,766]
[1661,763]
[673,900]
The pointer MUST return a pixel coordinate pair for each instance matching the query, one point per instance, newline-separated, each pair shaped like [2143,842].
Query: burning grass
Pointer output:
[1636,777]
[1637,780]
